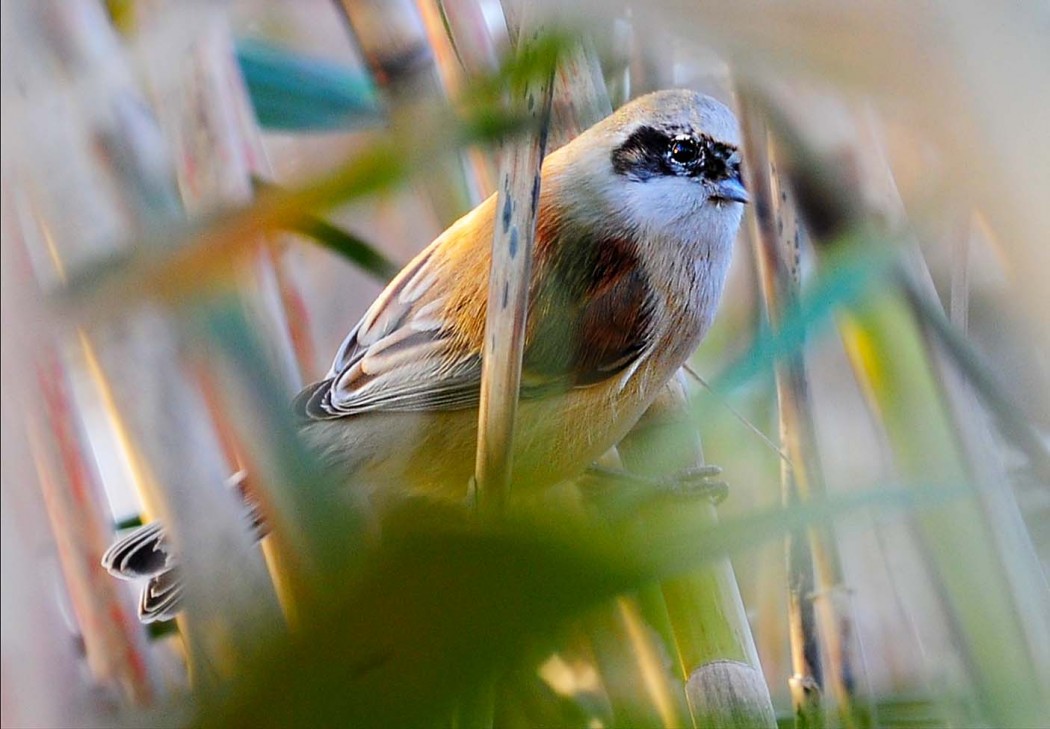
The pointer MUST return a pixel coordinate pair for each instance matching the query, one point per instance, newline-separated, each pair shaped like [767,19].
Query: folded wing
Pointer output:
[418,348]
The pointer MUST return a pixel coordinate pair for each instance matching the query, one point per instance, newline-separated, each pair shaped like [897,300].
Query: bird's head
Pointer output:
[665,163]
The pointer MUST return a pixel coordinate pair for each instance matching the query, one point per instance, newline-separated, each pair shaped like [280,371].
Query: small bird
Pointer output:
[636,223]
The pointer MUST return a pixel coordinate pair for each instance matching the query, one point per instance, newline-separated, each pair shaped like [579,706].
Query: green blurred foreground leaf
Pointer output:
[447,600]
[174,264]
[316,528]
[846,279]
[290,91]
[295,92]
[349,246]
[359,252]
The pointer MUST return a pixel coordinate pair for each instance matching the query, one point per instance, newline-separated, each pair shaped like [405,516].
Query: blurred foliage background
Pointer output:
[199,200]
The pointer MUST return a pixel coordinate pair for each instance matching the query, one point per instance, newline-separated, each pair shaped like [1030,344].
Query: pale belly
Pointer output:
[556,438]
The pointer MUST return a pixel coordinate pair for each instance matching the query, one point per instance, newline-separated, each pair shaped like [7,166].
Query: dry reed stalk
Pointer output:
[650,65]
[580,97]
[969,417]
[779,286]
[802,476]
[262,286]
[581,100]
[689,611]
[140,363]
[75,33]
[517,208]
[267,290]
[905,391]
[451,73]
[77,527]
[628,652]
[49,687]
[392,38]
[114,644]
[286,559]
[478,43]
[513,236]
[129,157]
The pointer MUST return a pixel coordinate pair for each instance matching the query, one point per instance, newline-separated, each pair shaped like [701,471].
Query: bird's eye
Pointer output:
[684,150]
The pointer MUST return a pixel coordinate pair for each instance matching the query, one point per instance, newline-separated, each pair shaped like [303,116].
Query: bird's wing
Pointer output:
[418,348]
[407,353]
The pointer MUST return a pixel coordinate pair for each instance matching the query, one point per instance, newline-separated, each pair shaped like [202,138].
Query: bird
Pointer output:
[637,218]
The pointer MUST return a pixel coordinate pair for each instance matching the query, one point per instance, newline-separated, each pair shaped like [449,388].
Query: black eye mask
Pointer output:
[651,152]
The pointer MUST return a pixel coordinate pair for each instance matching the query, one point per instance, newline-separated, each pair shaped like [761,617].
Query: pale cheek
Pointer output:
[660,203]
[678,207]
[663,207]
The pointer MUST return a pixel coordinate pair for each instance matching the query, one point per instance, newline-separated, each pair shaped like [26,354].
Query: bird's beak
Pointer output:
[731,188]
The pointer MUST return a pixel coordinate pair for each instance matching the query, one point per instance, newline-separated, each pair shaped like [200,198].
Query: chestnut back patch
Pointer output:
[591,315]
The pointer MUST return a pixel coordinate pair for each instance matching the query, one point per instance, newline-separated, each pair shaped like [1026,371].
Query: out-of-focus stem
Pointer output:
[632,661]
[392,37]
[961,377]
[137,363]
[580,97]
[49,687]
[476,170]
[775,233]
[959,302]
[888,355]
[712,638]
[630,637]
[113,642]
[906,392]
[581,100]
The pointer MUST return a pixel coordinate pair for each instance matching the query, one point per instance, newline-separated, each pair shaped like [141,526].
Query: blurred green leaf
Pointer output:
[890,359]
[290,91]
[174,263]
[447,600]
[321,528]
[847,278]
[349,246]
[359,252]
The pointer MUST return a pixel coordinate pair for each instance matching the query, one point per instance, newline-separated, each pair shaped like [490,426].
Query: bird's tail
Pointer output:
[161,598]
[147,552]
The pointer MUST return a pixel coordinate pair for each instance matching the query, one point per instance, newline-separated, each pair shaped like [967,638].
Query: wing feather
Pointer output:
[418,347]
